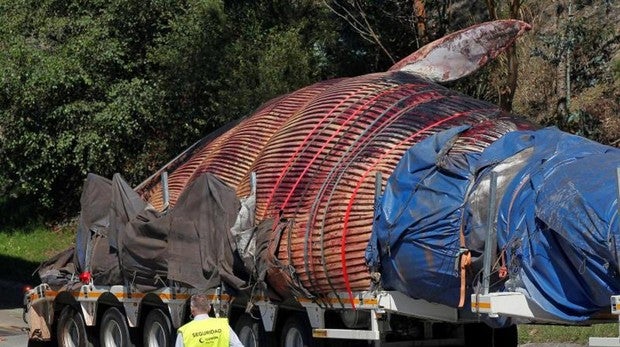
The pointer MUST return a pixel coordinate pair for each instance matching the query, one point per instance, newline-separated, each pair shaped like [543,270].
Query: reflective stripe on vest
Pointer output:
[212,332]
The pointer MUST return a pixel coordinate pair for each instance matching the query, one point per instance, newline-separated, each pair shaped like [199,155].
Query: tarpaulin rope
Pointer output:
[503,269]
[464,263]
[464,259]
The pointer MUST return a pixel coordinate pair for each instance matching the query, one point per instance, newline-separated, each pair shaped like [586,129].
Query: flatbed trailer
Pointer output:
[118,316]
[77,316]
[519,306]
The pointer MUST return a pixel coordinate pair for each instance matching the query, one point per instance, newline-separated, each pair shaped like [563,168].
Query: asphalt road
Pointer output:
[12,328]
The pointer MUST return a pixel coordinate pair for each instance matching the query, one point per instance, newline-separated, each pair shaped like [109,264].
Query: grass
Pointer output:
[565,334]
[21,251]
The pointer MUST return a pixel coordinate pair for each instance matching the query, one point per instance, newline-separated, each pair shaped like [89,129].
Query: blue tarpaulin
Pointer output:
[557,226]
[416,229]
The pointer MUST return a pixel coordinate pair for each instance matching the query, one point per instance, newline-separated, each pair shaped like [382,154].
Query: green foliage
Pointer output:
[376,34]
[578,53]
[558,335]
[291,51]
[589,46]
[23,249]
[66,104]
[123,86]
[581,123]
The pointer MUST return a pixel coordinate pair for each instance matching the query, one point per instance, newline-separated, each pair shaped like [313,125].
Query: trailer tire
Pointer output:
[508,336]
[157,329]
[71,329]
[482,335]
[251,332]
[114,331]
[296,332]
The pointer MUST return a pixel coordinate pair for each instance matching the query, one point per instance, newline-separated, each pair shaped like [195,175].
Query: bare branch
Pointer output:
[350,18]
[374,35]
[360,25]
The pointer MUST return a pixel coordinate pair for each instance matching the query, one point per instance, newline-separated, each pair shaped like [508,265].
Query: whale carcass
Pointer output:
[381,181]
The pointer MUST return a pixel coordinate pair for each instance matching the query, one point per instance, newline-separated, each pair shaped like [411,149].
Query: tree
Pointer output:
[573,47]
[74,96]
[506,90]
[123,86]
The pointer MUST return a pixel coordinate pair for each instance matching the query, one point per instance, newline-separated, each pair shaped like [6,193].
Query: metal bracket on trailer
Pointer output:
[268,313]
[177,313]
[511,304]
[316,315]
[398,302]
[89,312]
[376,304]
[374,334]
[129,300]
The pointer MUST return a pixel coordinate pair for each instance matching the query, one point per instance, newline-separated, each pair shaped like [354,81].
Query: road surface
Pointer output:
[12,328]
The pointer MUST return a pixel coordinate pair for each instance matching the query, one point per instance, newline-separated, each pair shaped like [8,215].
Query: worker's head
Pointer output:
[199,304]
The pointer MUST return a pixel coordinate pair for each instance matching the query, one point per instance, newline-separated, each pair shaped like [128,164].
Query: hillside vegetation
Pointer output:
[124,86]
[570,69]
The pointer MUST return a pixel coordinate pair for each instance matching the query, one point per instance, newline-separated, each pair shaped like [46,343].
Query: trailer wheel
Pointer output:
[508,336]
[297,333]
[71,329]
[157,329]
[251,332]
[482,335]
[114,331]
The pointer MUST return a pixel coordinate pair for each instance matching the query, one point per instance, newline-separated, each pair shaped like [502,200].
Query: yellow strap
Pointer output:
[464,263]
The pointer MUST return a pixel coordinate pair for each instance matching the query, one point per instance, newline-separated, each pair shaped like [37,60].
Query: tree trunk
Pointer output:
[419,10]
[492,9]
[507,92]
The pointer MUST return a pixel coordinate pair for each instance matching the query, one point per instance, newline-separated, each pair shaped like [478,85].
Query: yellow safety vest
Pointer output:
[212,332]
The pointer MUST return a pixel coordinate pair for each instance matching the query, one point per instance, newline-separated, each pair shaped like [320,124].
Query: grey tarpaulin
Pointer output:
[262,262]
[191,244]
[206,210]
[244,232]
[57,270]
[139,235]
[93,252]
[265,262]
[121,239]
[95,206]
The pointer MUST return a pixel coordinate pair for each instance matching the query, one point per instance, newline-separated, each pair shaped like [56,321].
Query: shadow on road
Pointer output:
[16,273]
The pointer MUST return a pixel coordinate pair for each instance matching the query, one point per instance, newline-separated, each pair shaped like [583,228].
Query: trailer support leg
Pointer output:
[268,313]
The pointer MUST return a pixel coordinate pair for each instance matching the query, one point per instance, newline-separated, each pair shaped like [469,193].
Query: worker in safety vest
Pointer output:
[204,330]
